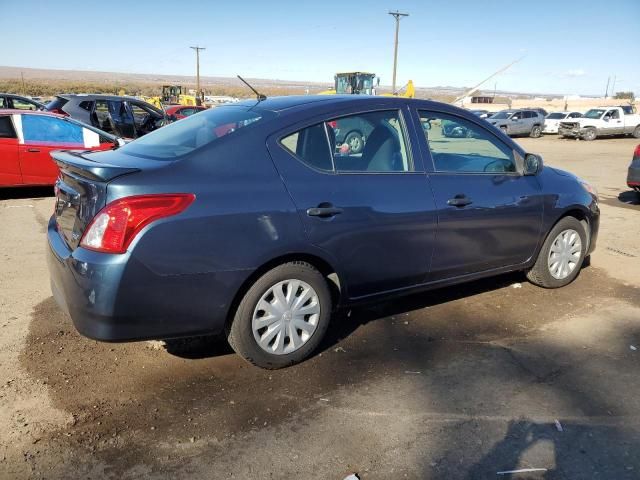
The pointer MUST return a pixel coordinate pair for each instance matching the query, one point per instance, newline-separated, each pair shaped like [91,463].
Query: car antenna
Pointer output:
[259,95]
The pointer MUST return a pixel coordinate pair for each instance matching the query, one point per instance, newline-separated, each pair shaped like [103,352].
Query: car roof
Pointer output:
[97,96]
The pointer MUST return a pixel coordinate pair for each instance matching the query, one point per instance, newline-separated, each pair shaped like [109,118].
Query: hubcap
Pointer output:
[355,143]
[564,254]
[286,317]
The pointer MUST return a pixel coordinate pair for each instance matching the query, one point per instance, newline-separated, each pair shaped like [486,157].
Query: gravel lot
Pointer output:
[462,382]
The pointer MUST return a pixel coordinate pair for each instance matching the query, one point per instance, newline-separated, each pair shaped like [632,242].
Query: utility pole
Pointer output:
[613,87]
[197,50]
[397,15]
[606,92]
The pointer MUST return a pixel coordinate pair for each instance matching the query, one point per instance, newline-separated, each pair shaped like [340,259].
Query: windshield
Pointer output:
[594,113]
[195,131]
[556,116]
[502,115]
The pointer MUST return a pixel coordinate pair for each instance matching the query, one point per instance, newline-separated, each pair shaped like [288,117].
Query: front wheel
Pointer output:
[536,131]
[282,317]
[560,258]
[636,132]
[590,134]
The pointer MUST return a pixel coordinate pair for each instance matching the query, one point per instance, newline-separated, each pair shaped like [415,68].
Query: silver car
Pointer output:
[518,122]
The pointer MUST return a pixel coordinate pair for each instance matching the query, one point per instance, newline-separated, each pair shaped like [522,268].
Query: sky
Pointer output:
[569,46]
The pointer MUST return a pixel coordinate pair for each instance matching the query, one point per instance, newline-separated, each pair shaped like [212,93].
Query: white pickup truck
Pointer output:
[601,122]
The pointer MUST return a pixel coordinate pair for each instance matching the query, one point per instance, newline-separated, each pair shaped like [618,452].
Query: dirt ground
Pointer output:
[462,382]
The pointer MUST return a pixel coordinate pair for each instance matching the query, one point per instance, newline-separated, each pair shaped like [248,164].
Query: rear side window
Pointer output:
[196,131]
[6,127]
[47,129]
[373,142]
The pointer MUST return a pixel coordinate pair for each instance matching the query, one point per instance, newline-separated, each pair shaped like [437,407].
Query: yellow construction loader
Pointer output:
[171,95]
[362,83]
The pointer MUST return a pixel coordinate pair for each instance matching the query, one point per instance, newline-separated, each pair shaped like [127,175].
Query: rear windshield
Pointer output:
[56,104]
[556,116]
[183,137]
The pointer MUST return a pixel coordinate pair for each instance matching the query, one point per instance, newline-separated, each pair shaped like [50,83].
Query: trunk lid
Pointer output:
[81,191]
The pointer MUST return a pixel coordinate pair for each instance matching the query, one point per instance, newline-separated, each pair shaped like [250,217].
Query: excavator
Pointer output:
[362,83]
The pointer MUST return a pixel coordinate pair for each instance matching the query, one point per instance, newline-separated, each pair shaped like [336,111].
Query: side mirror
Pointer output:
[532,164]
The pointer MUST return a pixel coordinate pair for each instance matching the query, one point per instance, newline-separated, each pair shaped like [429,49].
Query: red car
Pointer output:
[28,137]
[178,112]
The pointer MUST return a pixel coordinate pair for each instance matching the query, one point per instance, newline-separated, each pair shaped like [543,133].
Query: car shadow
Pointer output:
[16,193]
[347,320]
[630,197]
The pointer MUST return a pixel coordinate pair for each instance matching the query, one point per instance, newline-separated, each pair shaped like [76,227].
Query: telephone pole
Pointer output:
[606,92]
[397,15]
[197,50]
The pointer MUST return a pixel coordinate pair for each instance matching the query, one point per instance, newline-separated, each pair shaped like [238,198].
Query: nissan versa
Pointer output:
[251,219]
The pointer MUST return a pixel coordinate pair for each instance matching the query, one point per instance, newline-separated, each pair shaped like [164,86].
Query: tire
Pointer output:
[590,134]
[536,132]
[542,273]
[242,336]
[355,141]
[636,132]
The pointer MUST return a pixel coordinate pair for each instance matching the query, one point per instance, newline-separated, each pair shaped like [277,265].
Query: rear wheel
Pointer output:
[536,131]
[282,317]
[590,134]
[636,132]
[560,258]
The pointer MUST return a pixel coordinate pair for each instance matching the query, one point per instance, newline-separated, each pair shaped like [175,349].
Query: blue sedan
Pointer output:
[254,220]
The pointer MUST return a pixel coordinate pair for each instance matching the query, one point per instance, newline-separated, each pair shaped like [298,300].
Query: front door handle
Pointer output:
[459,200]
[324,210]
[33,150]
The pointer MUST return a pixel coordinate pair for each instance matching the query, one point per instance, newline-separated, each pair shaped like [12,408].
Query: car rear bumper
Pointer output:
[633,178]
[117,298]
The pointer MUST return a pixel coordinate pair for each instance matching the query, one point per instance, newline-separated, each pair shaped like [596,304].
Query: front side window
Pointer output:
[371,142]
[460,146]
[185,136]
[50,130]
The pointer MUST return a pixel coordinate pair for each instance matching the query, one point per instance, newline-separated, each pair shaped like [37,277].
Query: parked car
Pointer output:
[601,122]
[178,112]
[247,219]
[633,176]
[479,113]
[518,122]
[552,121]
[18,102]
[27,139]
[126,117]
[540,110]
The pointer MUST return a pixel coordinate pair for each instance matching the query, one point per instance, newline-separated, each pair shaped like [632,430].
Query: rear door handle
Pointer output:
[33,150]
[324,211]
[459,200]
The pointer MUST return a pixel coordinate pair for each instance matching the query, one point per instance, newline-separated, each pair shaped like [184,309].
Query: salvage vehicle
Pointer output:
[552,121]
[178,112]
[126,117]
[518,122]
[633,176]
[27,139]
[601,122]
[246,219]
[18,102]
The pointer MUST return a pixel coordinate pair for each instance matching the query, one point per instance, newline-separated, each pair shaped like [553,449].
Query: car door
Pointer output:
[122,119]
[371,211]
[489,214]
[41,134]
[9,157]
[516,124]
[616,123]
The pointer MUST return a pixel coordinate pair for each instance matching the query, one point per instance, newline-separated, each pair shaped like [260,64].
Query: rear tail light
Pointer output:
[59,112]
[117,224]
[636,152]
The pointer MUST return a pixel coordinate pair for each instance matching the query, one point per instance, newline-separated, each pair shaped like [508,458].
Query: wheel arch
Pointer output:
[334,280]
